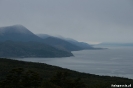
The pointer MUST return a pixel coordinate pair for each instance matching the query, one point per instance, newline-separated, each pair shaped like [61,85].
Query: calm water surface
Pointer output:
[112,62]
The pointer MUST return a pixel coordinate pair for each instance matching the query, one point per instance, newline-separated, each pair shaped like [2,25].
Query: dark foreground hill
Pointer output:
[30,49]
[20,74]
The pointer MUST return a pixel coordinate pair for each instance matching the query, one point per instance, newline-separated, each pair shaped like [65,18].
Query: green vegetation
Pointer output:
[20,74]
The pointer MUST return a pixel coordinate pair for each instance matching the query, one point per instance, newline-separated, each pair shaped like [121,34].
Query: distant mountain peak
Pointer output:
[17,33]
[14,29]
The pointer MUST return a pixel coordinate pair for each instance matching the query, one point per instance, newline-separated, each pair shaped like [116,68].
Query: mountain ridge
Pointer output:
[61,44]
[81,45]
[15,41]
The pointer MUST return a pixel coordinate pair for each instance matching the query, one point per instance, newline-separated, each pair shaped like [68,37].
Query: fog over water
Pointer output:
[113,62]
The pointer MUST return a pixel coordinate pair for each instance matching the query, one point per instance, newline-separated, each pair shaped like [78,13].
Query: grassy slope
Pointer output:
[47,71]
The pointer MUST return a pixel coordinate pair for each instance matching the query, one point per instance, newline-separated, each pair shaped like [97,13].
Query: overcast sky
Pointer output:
[91,21]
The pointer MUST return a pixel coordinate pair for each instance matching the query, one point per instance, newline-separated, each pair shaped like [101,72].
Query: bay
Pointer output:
[110,62]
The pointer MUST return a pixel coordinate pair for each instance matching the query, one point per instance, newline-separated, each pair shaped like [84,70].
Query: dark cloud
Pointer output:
[86,20]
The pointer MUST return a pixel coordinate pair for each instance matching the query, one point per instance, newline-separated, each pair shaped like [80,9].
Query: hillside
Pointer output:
[30,49]
[46,72]
[65,43]
[61,44]
[83,45]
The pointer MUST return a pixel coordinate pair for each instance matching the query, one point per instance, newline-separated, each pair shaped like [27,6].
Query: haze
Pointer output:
[91,21]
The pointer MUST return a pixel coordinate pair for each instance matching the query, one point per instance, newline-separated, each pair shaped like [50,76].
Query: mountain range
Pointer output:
[67,43]
[18,41]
